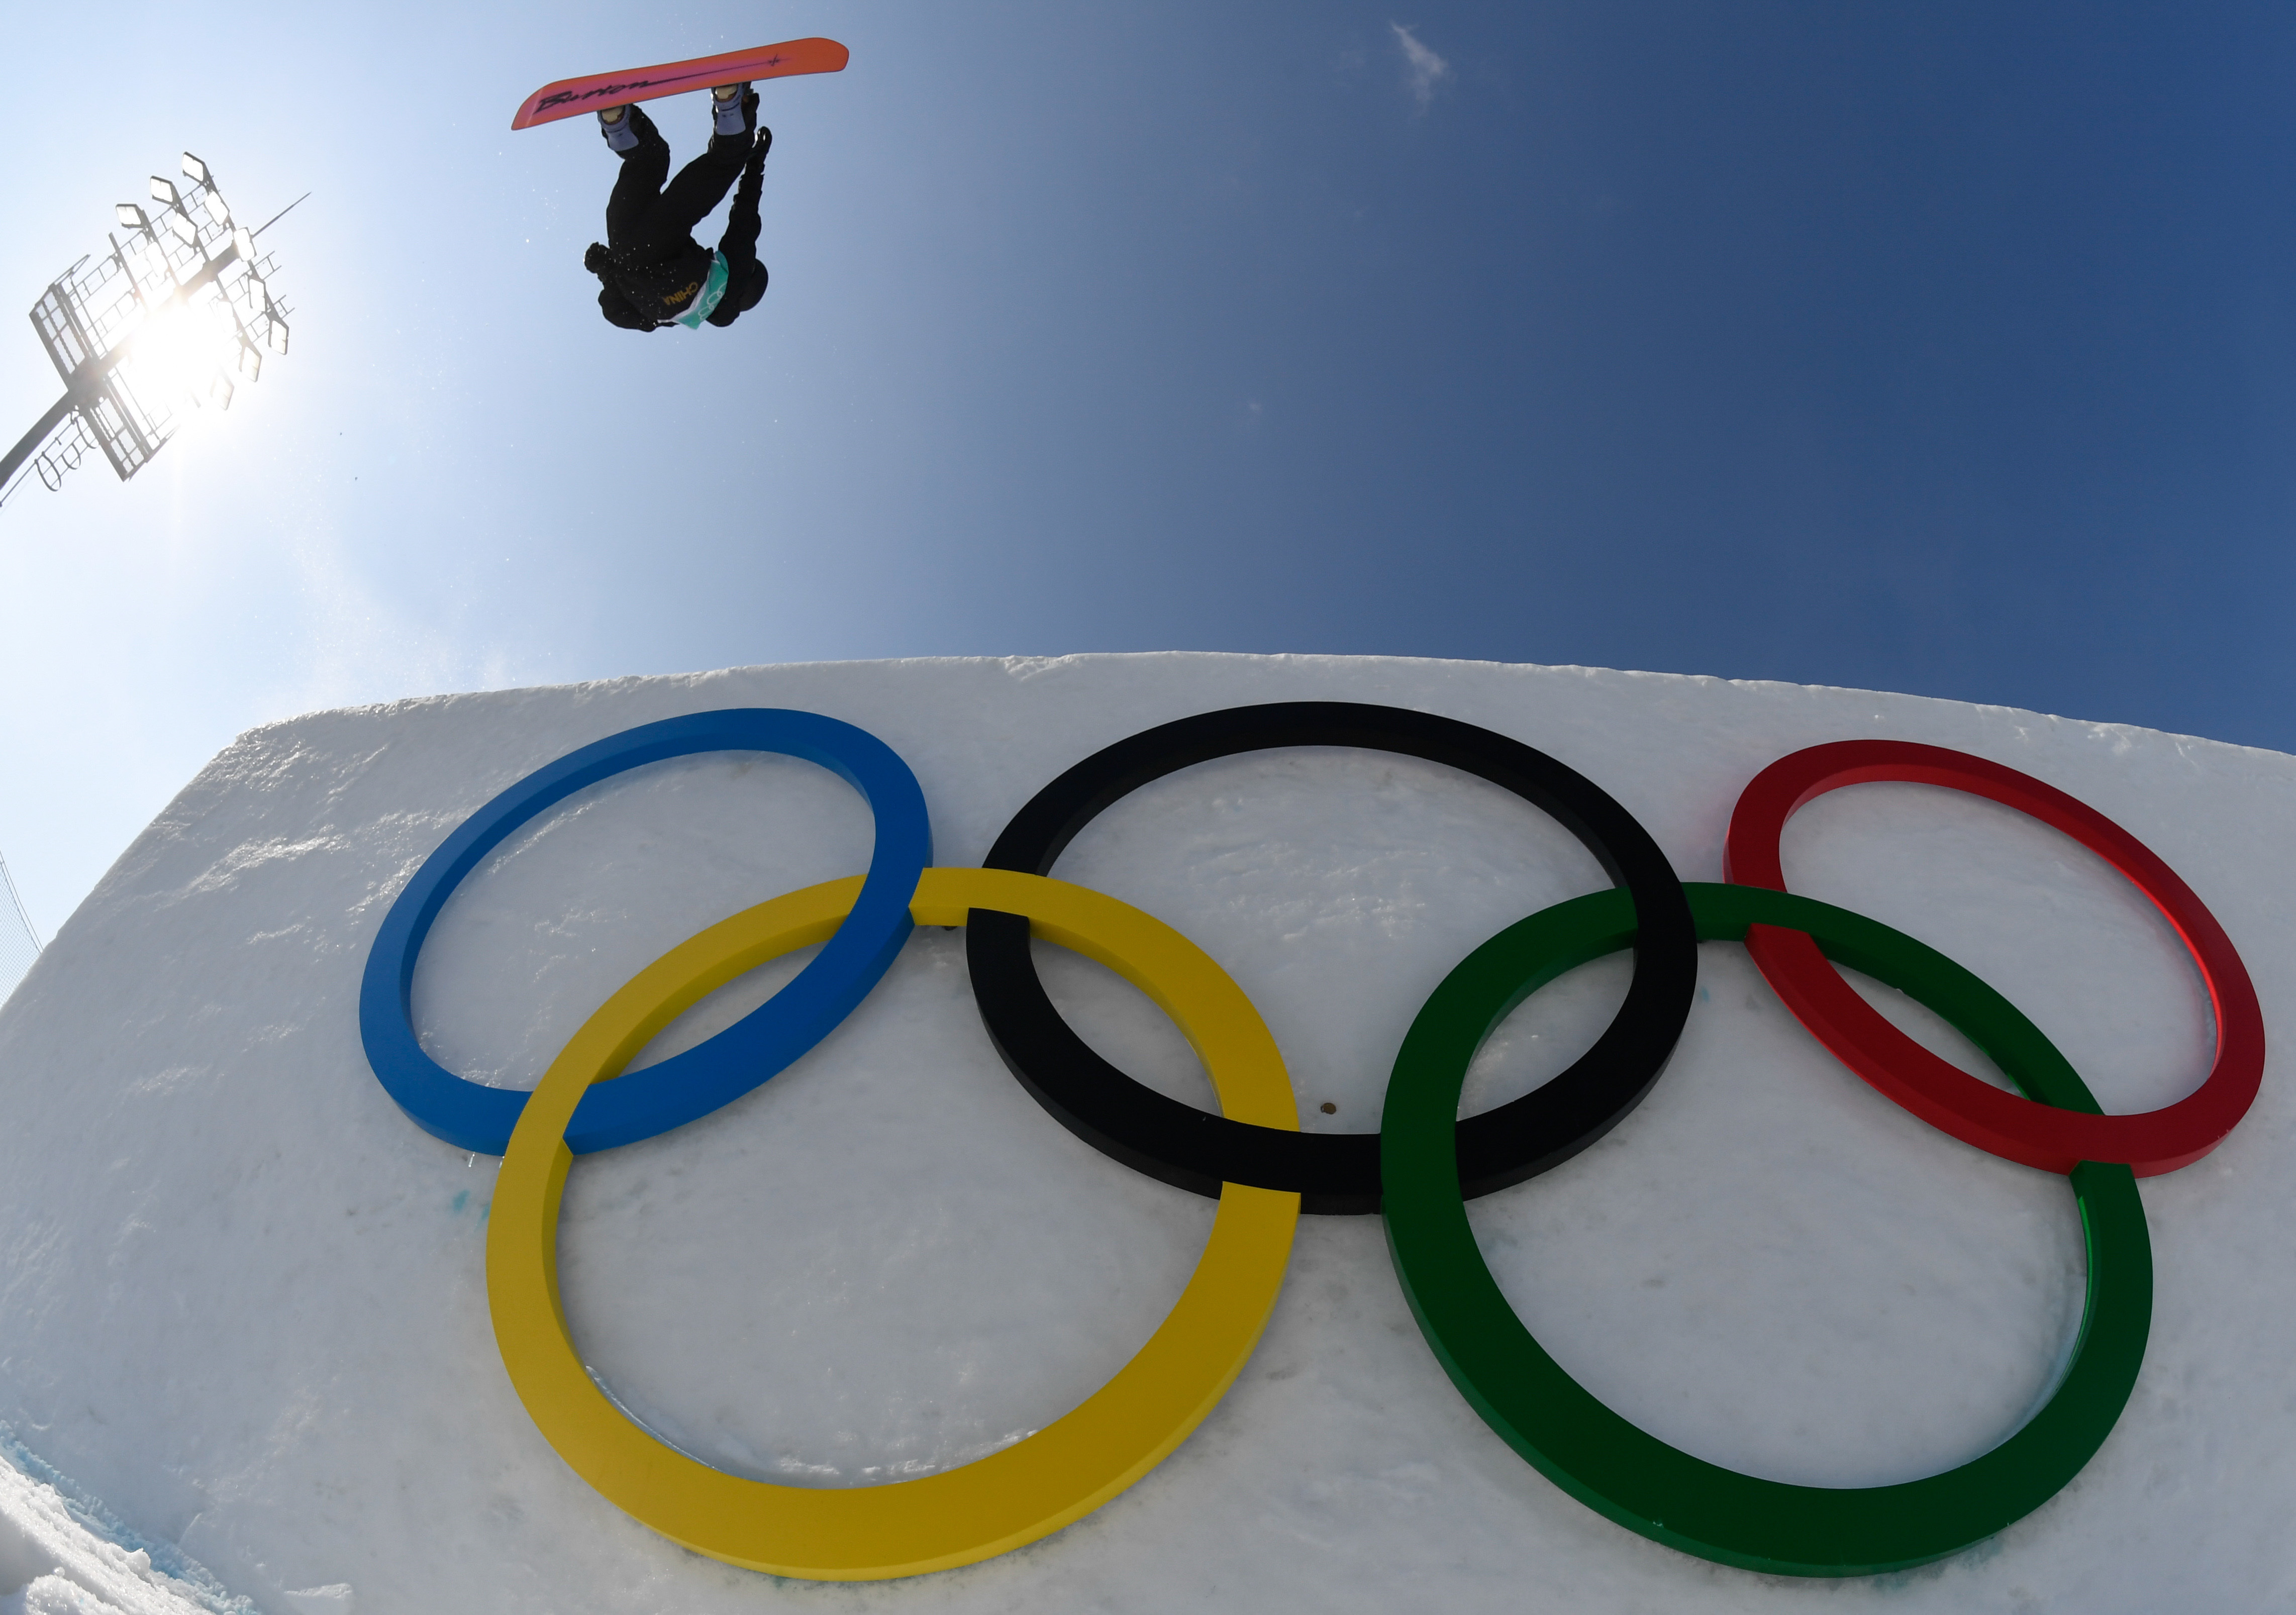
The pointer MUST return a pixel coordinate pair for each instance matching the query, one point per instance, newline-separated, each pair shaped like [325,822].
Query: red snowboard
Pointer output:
[572,97]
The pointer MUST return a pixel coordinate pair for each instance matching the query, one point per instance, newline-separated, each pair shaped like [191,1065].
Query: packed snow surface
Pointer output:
[242,1299]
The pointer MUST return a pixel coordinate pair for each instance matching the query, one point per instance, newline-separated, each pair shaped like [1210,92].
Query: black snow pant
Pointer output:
[745,276]
[657,220]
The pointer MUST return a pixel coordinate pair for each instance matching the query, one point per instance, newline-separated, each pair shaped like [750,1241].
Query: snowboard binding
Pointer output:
[621,130]
[733,112]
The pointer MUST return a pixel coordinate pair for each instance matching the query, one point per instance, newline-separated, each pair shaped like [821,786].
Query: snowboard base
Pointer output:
[572,97]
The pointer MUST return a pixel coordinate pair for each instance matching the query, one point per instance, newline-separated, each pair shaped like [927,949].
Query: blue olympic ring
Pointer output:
[472,1116]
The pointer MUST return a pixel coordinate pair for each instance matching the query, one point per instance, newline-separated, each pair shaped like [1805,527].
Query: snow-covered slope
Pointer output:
[242,1301]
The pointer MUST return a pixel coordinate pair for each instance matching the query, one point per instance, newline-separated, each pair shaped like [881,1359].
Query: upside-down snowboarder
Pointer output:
[655,273]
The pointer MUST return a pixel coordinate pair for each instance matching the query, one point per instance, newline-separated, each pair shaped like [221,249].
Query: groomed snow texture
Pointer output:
[242,1299]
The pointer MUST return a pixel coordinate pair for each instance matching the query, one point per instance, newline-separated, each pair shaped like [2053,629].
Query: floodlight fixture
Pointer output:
[148,265]
[145,334]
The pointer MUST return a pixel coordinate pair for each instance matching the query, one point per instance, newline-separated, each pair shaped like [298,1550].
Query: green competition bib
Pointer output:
[707,299]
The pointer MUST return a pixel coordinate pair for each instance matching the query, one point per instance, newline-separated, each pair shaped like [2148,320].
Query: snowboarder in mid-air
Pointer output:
[655,273]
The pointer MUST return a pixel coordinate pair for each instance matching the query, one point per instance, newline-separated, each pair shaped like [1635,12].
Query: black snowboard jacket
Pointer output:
[643,294]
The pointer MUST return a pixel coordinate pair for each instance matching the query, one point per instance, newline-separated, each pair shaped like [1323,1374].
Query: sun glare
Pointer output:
[185,352]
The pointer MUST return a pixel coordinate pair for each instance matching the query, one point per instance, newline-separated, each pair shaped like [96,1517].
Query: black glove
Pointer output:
[618,311]
[597,260]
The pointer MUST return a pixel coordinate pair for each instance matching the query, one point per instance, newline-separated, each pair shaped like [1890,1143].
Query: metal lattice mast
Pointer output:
[174,320]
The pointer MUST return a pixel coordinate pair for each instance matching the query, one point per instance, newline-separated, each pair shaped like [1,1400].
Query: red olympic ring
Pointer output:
[1941,1094]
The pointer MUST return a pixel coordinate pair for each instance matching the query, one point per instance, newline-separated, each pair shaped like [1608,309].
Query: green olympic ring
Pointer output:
[1632,1477]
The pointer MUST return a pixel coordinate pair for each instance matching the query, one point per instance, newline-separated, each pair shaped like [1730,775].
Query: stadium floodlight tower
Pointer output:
[172,321]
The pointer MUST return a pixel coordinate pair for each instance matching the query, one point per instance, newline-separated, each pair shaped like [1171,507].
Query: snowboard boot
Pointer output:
[733,112]
[620,132]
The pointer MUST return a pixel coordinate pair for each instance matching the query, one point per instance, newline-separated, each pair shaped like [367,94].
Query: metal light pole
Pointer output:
[167,323]
[20,944]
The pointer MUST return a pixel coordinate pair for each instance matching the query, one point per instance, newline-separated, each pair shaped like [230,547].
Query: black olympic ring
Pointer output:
[1333,1172]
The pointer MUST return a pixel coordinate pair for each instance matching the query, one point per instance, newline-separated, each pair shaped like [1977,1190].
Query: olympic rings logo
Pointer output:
[1417,1172]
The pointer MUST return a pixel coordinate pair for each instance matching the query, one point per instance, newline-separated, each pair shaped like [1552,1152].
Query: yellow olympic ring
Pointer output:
[1013,1496]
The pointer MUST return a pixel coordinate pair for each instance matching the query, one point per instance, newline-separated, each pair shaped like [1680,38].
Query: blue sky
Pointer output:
[1946,348]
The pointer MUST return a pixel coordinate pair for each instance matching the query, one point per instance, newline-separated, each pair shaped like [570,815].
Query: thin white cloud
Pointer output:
[1423,69]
